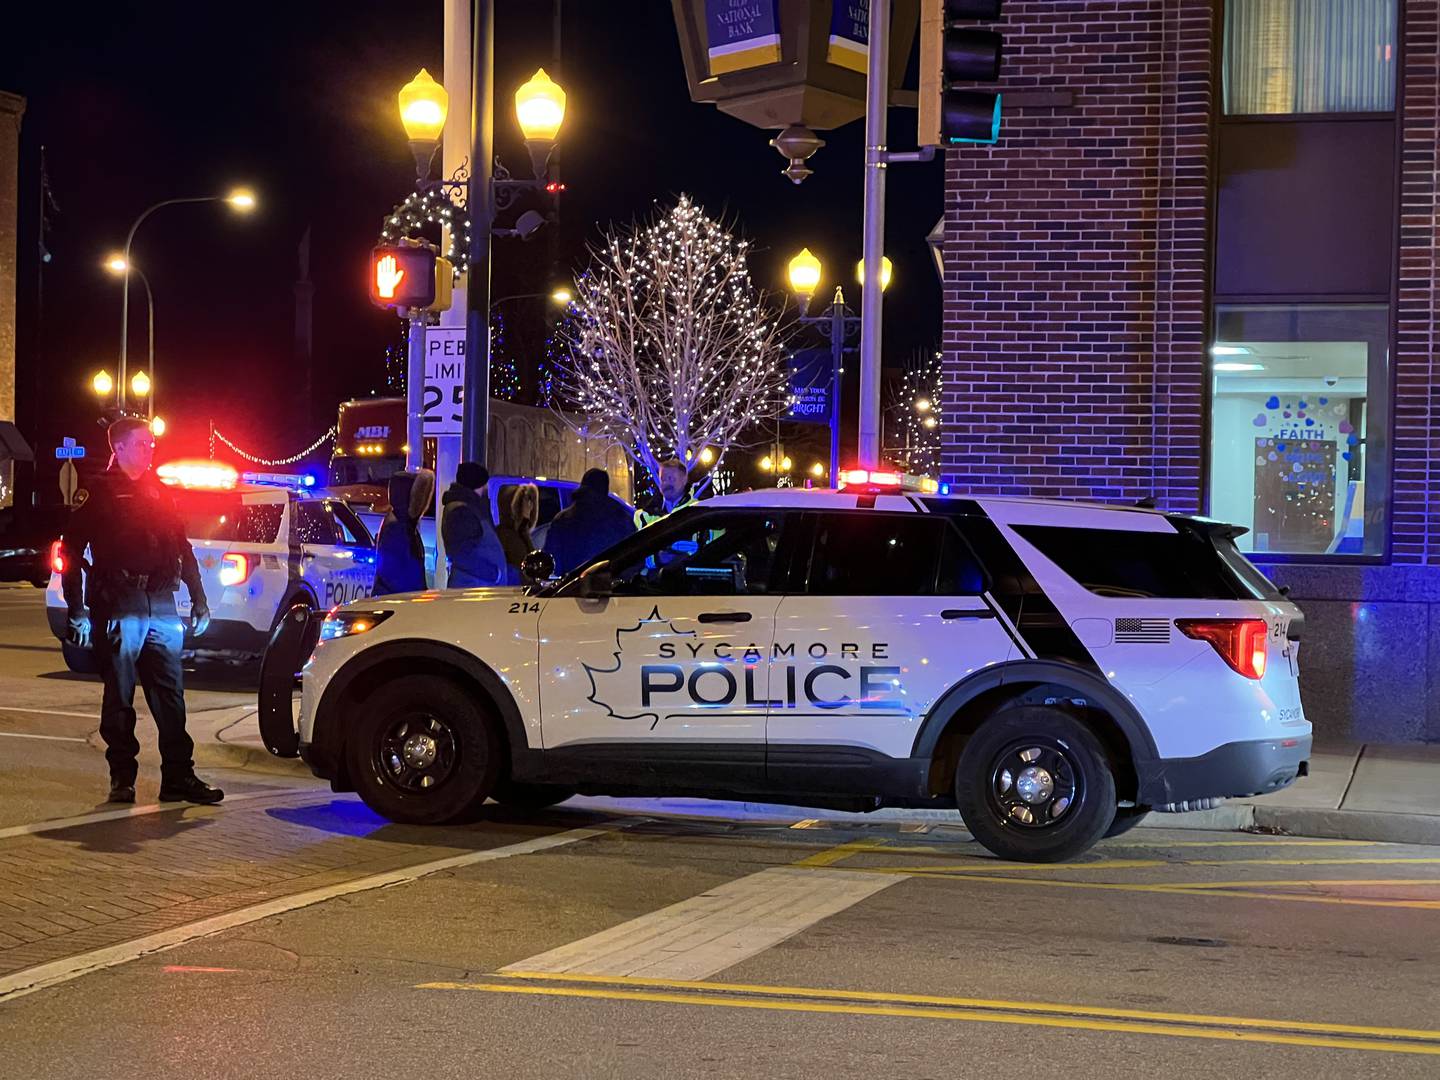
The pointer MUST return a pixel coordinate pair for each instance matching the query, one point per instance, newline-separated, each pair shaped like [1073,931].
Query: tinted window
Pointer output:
[352,531]
[224,517]
[870,554]
[705,555]
[1116,562]
[313,524]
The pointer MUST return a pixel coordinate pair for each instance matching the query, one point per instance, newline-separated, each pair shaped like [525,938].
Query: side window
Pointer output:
[730,554]
[960,572]
[871,554]
[352,532]
[313,524]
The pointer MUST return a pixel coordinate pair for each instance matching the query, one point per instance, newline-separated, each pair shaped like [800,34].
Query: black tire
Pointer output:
[1060,809]
[412,719]
[527,798]
[81,661]
[1126,818]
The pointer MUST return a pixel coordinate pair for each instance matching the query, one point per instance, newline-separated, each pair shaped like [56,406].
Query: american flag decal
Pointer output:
[1142,631]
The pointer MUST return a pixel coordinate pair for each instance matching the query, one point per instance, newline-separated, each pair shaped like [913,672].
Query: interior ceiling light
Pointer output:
[1231,365]
[1230,350]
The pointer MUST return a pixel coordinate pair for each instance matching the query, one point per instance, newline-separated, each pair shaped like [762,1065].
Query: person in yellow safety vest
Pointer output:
[674,493]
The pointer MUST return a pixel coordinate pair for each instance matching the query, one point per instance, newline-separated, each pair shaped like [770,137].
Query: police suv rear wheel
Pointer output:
[424,752]
[1034,785]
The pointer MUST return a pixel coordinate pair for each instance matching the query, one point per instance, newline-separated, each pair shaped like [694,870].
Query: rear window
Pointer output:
[1183,565]
[224,517]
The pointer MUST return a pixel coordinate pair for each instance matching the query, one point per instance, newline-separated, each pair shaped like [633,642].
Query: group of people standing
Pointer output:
[482,552]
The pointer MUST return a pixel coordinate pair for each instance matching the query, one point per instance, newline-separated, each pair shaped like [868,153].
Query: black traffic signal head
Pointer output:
[970,55]
[402,275]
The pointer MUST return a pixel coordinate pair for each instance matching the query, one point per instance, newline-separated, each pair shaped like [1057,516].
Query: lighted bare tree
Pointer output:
[669,348]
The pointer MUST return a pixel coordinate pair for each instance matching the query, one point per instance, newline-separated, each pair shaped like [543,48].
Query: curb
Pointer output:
[221,755]
[1374,825]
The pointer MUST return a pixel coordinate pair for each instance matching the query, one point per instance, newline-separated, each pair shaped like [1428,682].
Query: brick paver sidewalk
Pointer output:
[73,890]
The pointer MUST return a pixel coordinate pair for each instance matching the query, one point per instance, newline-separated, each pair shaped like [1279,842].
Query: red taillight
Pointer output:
[234,569]
[57,556]
[1241,643]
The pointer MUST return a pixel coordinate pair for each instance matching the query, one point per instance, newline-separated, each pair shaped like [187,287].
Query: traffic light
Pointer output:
[951,54]
[402,276]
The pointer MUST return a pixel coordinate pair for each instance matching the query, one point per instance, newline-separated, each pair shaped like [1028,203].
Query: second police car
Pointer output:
[1053,670]
[265,542]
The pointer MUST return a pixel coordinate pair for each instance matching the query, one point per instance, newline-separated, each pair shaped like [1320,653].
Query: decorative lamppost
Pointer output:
[836,324]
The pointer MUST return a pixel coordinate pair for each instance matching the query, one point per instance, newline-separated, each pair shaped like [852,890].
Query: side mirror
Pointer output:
[597,582]
[537,566]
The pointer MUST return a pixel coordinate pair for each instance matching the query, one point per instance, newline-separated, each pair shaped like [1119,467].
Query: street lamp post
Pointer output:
[240,199]
[836,324]
[117,264]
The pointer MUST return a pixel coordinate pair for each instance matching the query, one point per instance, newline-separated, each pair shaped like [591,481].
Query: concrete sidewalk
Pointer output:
[1355,792]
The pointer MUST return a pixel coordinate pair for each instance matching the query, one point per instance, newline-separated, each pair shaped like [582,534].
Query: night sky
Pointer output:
[135,103]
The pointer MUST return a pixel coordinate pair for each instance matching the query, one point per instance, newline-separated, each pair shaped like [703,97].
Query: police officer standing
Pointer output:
[125,600]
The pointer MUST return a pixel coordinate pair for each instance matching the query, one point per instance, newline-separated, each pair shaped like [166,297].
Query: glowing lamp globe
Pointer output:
[423,107]
[157,426]
[887,271]
[804,273]
[140,384]
[103,384]
[540,108]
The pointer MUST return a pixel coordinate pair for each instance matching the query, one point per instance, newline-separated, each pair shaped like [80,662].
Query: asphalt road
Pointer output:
[290,932]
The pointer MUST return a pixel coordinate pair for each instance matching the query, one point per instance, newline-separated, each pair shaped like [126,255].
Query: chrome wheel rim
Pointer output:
[417,753]
[1035,784]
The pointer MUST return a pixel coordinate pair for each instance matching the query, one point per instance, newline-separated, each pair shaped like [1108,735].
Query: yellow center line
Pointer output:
[1091,1011]
[953,1014]
[990,866]
[830,856]
[1176,889]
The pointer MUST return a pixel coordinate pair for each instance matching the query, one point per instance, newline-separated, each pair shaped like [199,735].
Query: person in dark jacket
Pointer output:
[518,516]
[400,552]
[476,557]
[123,600]
[589,525]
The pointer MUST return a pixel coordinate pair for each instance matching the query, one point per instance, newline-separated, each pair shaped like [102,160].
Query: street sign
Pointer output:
[68,451]
[442,409]
[69,481]
[811,379]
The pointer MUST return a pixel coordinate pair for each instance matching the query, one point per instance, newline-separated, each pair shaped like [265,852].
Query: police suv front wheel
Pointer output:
[1034,785]
[424,752]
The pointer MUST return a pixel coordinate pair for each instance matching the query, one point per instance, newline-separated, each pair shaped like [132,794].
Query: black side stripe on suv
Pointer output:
[1014,588]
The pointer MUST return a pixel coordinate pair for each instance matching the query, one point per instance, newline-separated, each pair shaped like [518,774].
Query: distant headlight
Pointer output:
[340,624]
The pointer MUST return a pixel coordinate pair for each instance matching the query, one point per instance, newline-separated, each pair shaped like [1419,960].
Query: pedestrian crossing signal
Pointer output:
[403,276]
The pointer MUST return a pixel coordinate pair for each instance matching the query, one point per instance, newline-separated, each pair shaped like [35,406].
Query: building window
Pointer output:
[1310,56]
[1299,419]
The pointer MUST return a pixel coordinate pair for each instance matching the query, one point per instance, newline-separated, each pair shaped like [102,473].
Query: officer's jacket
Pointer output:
[136,537]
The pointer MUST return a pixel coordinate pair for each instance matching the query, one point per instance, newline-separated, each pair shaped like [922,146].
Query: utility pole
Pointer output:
[872,297]
[481,209]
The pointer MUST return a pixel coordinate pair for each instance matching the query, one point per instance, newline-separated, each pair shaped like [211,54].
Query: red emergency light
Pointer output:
[57,556]
[198,475]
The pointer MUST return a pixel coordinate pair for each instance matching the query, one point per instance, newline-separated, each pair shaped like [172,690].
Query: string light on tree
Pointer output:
[216,434]
[917,417]
[669,348]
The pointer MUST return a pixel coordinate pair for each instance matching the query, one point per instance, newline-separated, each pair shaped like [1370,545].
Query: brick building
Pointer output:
[1201,266]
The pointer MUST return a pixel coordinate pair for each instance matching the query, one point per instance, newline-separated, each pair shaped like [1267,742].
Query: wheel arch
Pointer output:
[959,713]
[360,676]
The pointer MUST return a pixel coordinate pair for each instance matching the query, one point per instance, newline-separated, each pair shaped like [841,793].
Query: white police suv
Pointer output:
[265,542]
[1053,670]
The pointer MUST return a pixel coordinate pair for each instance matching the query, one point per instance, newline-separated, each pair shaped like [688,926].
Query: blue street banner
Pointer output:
[850,35]
[811,379]
[742,34]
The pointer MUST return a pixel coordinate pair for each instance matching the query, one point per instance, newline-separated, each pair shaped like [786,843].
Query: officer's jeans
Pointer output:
[138,636]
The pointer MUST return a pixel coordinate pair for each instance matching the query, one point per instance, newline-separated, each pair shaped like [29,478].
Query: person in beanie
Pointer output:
[124,599]
[476,557]
[589,525]
[399,550]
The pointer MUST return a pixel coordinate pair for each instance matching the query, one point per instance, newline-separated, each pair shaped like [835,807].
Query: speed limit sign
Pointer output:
[443,402]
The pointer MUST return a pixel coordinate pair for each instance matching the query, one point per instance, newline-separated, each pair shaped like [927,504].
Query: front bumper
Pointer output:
[1235,770]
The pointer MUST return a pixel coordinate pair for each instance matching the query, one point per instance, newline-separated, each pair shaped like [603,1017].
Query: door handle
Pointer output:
[724,616]
[967,613]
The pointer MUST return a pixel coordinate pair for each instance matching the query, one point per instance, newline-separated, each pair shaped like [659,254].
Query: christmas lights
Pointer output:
[301,456]
[668,347]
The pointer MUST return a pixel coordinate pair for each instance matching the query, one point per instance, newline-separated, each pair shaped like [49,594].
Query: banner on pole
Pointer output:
[850,35]
[742,34]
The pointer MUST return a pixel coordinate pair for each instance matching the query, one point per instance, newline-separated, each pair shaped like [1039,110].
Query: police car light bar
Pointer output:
[294,481]
[198,475]
[884,480]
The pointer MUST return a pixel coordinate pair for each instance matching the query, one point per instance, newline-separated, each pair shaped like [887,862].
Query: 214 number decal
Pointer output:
[523,607]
